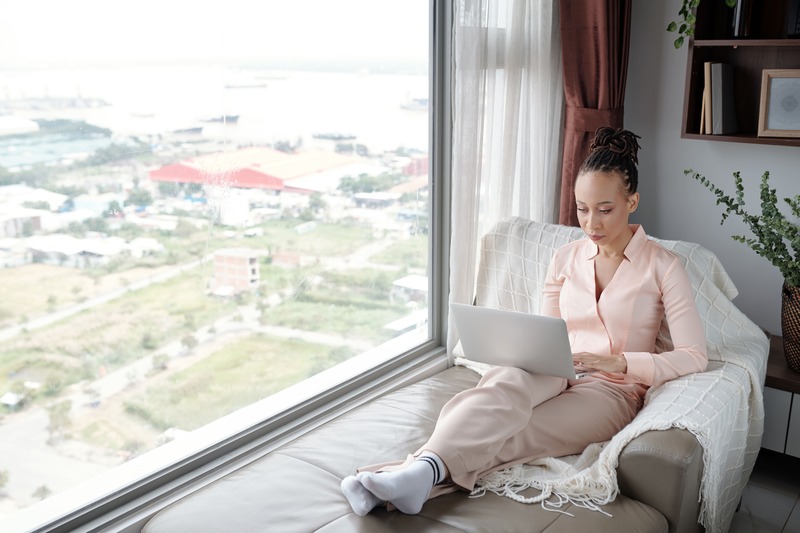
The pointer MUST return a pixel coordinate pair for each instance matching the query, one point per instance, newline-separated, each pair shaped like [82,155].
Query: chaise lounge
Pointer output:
[680,465]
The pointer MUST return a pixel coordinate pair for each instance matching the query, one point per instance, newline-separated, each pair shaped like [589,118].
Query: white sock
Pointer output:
[439,470]
[407,489]
[361,500]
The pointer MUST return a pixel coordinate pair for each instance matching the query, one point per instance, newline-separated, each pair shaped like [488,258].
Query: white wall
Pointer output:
[674,206]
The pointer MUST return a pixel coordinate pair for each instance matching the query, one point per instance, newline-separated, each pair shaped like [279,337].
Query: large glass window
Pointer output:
[201,204]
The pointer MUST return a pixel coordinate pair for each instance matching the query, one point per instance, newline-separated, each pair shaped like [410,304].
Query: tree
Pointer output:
[98,224]
[53,384]
[365,183]
[148,342]
[133,448]
[59,418]
[184,229]
[114,209]
[316,203]
[4,475]
[43,492]
[189,341]
[139,197]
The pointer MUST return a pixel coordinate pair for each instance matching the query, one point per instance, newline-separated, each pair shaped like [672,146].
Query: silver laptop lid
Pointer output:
[536,343]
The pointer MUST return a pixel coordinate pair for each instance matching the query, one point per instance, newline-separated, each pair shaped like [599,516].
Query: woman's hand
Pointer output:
[605,363]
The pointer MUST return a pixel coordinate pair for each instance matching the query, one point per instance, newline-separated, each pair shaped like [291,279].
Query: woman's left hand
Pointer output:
[605,363]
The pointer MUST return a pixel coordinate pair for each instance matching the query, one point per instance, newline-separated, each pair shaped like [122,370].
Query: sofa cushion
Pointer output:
[296,488]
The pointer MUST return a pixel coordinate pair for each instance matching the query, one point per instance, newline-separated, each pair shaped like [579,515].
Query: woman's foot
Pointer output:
[406,489]
[361,500]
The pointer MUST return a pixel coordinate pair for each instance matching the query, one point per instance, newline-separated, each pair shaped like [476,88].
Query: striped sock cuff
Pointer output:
[436,465]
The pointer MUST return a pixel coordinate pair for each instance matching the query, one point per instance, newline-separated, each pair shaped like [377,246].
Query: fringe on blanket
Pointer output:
[560,482]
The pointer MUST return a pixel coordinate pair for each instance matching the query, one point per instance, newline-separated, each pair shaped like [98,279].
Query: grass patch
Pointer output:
[409,253]
[325,240]
[354,322]
[112,335]
[239,374]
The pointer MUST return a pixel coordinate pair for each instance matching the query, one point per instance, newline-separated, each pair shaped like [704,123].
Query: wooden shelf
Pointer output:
[779,375]
[743,138]
[736,43]
[764,48]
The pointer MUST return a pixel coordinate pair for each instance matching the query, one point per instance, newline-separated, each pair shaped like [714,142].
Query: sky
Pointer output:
[62,32]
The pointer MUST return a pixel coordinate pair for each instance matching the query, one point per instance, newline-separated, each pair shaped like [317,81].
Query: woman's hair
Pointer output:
[614,150]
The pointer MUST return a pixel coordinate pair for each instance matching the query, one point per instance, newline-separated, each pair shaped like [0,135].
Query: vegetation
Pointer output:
[42,493]
[353,304]
[775,238]
[411,253]
[365,183]
[238,374]
[687,20]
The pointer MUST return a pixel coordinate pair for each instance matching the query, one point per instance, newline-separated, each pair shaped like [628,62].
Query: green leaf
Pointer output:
[678,42]
[774,237]
[672,26]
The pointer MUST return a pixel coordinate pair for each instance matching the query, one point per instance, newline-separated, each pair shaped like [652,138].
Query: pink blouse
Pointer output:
[650,284]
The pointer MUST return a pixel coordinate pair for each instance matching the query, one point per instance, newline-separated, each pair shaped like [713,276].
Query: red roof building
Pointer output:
[252,168]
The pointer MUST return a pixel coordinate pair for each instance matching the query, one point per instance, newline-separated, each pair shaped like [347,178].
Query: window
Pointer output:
[205,212]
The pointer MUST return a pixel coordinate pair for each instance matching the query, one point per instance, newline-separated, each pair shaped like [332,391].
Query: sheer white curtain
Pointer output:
[508,102]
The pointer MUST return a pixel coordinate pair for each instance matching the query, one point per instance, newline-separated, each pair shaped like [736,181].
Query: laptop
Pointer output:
[536,343]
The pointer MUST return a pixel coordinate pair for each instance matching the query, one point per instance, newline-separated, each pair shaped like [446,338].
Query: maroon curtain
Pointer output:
[595,35]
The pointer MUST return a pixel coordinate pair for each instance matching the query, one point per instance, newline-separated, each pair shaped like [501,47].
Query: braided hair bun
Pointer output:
[614,150]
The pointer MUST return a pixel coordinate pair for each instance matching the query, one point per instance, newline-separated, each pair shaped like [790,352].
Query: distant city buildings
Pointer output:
[267,169]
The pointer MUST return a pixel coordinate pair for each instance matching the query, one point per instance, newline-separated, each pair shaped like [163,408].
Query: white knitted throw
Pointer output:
[723,407]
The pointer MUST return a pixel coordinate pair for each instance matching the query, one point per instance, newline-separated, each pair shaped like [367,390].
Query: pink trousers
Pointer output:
[513,417]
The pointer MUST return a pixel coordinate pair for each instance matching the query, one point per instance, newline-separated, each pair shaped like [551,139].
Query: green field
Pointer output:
[242,372]
[352,305]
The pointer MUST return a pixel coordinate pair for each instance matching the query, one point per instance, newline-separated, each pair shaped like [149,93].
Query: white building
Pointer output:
[65,250]
[21,194]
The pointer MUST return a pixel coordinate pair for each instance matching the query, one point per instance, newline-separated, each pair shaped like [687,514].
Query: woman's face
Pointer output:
[604,207]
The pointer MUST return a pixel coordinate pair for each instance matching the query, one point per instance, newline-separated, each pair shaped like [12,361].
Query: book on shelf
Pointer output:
[793,20]
[703,114]
[723,104]
[706,107]
[742,16]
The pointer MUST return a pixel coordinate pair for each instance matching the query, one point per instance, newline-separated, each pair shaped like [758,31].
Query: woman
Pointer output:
[613,289]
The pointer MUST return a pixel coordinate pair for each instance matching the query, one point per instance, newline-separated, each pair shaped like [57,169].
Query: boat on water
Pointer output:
[229,119]
[196,130]
[415,104]
[333,136]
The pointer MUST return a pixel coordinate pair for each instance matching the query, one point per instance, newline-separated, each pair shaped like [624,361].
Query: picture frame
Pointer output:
[779,113]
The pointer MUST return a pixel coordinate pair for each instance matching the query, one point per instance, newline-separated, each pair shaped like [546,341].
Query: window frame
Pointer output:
[125,498]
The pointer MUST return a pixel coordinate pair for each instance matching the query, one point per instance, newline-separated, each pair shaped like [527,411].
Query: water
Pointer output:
[272,106]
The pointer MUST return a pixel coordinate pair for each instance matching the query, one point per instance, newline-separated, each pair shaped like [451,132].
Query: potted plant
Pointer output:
[775,238]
